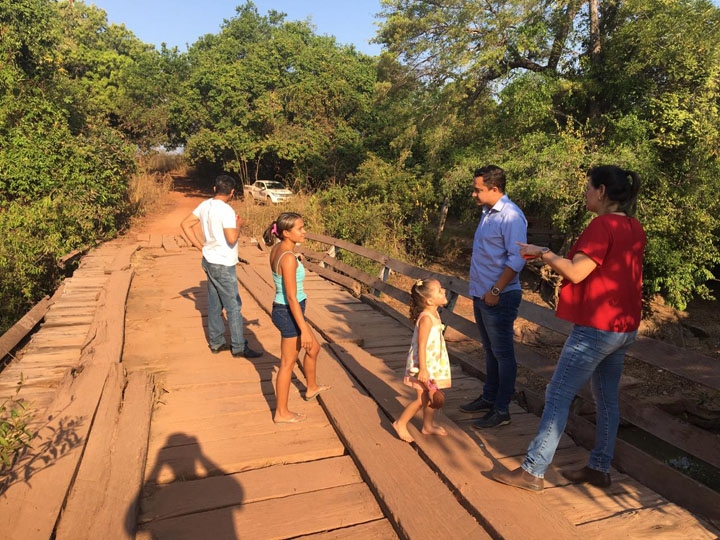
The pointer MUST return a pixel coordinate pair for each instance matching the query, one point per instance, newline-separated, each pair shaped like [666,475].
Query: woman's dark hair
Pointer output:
[621,186]
[284,222]
[418,297]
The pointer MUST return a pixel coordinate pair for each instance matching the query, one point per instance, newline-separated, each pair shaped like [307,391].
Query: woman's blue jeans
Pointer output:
[497,335]
[222,288]
[587,354]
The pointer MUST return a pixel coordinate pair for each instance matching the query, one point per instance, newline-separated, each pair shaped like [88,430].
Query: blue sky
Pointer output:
[180,22]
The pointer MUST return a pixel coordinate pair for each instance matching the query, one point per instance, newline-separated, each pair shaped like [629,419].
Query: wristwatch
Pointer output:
[495,291]
[543,251]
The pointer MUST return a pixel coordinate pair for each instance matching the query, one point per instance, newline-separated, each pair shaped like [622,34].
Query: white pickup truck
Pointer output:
[267,191]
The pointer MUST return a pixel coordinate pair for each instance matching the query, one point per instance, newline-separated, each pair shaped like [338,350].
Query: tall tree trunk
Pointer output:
[595,49]
[443,219]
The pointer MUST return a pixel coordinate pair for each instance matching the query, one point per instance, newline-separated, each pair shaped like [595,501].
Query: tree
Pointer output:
[124,81]
[63,180]
[576,84]
[269,97]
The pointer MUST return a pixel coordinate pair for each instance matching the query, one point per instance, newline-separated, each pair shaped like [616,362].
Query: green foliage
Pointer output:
[267,97]
[646,100]
[14,433]
[381,207]
[63,178]
[123,82]
[377,142]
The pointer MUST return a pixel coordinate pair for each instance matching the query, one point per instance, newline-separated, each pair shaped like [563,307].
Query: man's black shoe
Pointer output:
[586,475]
[247,353]
[519,478]
[221,348]
[492,419]
[480,404]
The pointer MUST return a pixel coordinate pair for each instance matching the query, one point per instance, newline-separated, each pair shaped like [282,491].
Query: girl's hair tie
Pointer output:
[419,283]
[274,228]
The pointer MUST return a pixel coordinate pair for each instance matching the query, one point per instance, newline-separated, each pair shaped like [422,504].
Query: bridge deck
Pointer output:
[271,481]
[218,467]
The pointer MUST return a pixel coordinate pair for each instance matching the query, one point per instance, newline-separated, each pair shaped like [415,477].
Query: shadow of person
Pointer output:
[199,296]
[185,495]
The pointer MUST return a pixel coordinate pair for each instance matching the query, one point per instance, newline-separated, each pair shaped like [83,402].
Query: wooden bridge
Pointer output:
[143,433]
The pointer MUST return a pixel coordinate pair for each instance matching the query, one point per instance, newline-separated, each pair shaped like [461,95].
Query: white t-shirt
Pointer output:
[216,215]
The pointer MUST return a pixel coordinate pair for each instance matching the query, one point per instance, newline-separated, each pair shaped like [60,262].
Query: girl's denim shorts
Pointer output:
[284,321]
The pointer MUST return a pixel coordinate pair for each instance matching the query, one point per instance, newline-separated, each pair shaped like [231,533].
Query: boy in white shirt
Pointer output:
[220,229]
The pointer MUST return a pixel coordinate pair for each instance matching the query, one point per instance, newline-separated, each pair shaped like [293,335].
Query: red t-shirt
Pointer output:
[610,298]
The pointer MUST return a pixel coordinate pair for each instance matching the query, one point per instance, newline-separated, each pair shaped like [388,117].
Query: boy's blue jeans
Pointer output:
[223,292]
[588,354]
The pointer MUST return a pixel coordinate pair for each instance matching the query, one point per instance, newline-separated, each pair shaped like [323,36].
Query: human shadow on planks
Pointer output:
[266,365]
[185,508]
[47,446]
[199,297]
[392,400]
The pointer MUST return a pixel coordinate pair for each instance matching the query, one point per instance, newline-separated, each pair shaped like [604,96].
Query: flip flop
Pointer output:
[299,417]
[321,389]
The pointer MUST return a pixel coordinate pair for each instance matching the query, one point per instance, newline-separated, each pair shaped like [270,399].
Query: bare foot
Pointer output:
[434,430]
[403,433]
[311,393]
[292,418]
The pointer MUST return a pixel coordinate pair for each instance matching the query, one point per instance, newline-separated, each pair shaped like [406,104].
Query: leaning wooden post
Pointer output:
[383,275]
[452,299]
[332,252]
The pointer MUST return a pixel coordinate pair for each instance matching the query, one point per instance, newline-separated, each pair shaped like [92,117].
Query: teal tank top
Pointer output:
[280,296]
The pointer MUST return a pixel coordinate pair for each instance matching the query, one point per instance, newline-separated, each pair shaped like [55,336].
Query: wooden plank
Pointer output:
[53,332]
[104,499]
[304,513]
[662,521]
[40,341]
[451,283]
[335,277]
[18,331]
[374,530]
[652,473]
[391,465]
[31,508]
[59,320]
[462,462]
[155,241]
[253,420]
[180,498]
[682,362]
[583,503]
[237,453]
[332,328]
[169,244]
[253,282]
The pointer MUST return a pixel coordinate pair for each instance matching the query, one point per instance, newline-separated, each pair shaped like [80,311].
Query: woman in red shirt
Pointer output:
[601,295]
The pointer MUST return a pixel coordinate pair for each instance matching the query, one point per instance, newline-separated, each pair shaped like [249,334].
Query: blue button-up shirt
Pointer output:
[494,246]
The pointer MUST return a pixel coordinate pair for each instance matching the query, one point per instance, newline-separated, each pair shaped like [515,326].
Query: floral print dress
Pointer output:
[436,356]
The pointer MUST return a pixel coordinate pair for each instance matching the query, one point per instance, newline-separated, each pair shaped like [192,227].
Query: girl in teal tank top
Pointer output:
[288,314]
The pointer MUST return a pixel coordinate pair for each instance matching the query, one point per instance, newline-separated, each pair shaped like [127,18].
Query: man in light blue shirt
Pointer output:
[495,289]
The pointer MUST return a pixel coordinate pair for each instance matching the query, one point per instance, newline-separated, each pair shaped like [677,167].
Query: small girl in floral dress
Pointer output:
[428,365]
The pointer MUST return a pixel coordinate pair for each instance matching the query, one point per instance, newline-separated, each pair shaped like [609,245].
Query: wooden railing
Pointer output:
[702,370]
[23,327]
